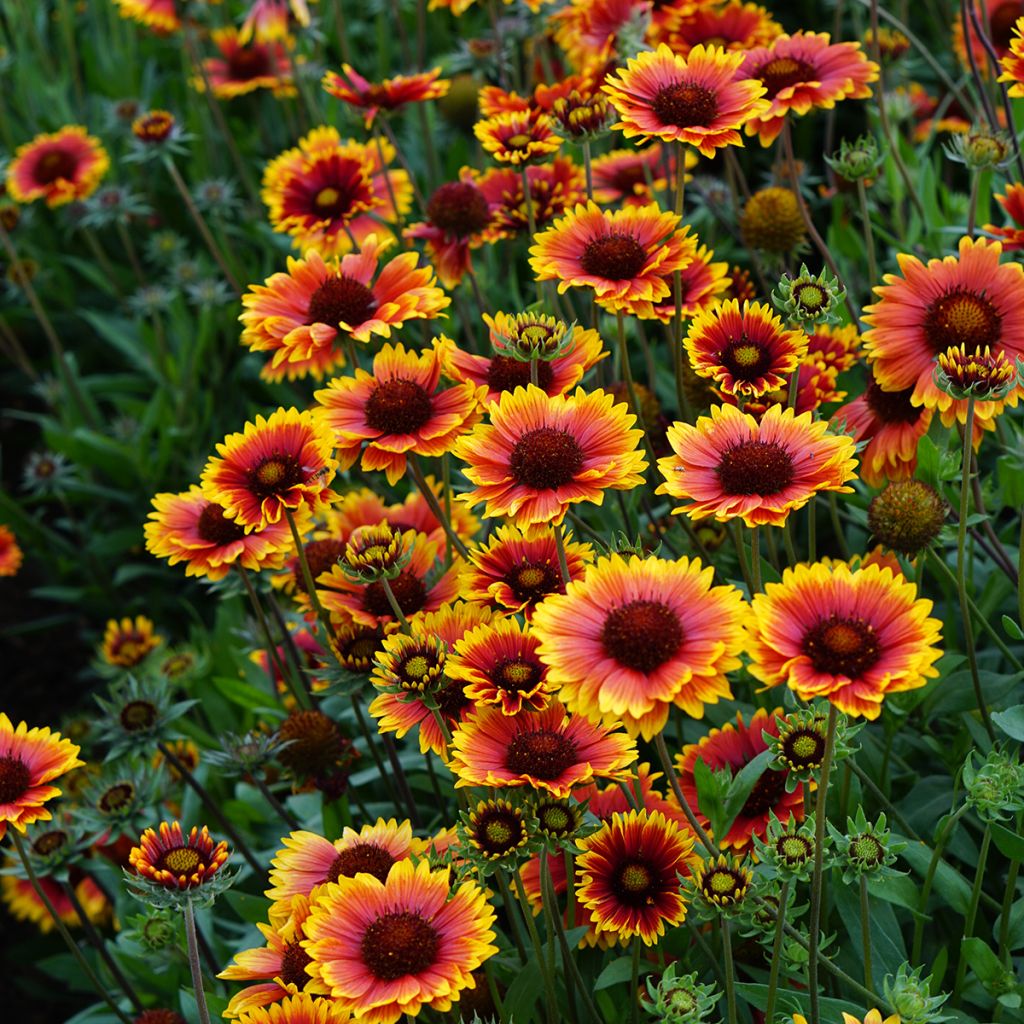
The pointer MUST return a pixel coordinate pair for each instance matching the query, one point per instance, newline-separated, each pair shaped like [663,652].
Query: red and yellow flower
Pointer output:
[24,904]
[397,410]
[1012,234]
[629,875]
[189,528]
[274,466]
[330,195]
[554,188]
[729,465]
[699,100]
[159,15]
[632,638]
[241,69]
[30,759]
[971,299]
[57,167]
[518,137]
[623,255]
[546,750]
[516,570]
[733,747]
[391,94]
[634,177]
[853,636]
[803,72]
[540,454]
[703,284]
[309,860]
[999,19]
[300,316]
[302,1008]
[129,641]
[11,555]
[735,25]
[169,858]
[744,350]
[1012,60]
[384,949]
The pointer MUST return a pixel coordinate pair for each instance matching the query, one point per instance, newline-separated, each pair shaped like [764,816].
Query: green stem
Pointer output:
[741,556]
[307,576]
[538,950]
[929,877]
[1004,916]
[194,965]
[512,913]
[673,778]
[817,879]
[961,569]
[395,606]
[19,844]
[730,971]
[588,170]
[563,563]
[972,910]
[972,209]
[678,354]
[773,974]
[865,928]
[869,241]
[634,983]
[435,506]
[812,531]
[755,561]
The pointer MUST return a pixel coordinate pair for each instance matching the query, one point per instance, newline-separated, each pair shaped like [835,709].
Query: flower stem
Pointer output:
[19,844]
[814,923]
[395,606]
[755,561]
[972,910]
[279,809]
[730,971]
[307,577]
[634,983]
[929,877]
[677,292]
[869,241]
[435,506]
[961,569]
[588,169]
[194,965]
[563,562]
[673,778]
[865,929]
[538,950]
[773,974]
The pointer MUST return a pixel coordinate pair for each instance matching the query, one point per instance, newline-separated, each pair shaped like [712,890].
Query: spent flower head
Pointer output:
[217,195]
[799,748]
[907,516]
[209,293]
[137,714]
[980,148]
[244,754]
[808,299]
[47,472]
[858,160]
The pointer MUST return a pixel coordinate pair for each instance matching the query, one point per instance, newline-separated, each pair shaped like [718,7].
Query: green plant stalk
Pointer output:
[730,971]
[538,949]
[972,208]
[512,912]
[563,563]
[755,561]
[865,929]
[972,910]
[869,240]
[812,530]
[961,569]
[588,168]
[364,728]
[435,506]
[817,878]
[673,778]
[741,555]
[395,606]
[19,844]
[194,965]
[677,291]
[776,965]
[1004,916]
[307,576]
[556,929]
[276,806]
[1020,574]
[634,983]
[929,878]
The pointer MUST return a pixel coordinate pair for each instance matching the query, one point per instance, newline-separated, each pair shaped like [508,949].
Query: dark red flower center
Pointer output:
[293,966]
[614,257]
[341,299]
[275,475]
[15,778]
[766,794]
[519,675]
[962,317]
[1001,22]
[634,882]
[116,798]
[498,832]
[546,458]
[543,754]
[398,406]
[249,62]
[745,358]
[50,842]
[892,406]
[215,528]
[804,748]
[409,591]
[755,467]
[842,646]
[399,944]
[532,581]
[366,857]
[138,715]
[181,860]
[459,208]
[322,556]
[54,165]
[642,635]
[685,105]
[507,374]
[452,700]
[781,72]
[629,179]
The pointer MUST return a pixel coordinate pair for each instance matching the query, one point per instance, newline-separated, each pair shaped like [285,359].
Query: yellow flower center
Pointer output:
[327,197]
[746,355]
[181,861]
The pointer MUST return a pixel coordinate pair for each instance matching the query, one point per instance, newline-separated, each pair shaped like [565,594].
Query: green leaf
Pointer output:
[897,889]
[1013,631]
[523,993]
[947,883]
[249,908]
[710,794]
[741,787]
[793,999]
[1011,721]
[986,965]
[242,693]
[616,973]
[1011,844]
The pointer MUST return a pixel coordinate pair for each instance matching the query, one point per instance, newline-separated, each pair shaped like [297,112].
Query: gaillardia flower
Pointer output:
[384,949]
[623,255]
[804,72]
[276,464]
[518,137]
[851,635]
[736,25]
[241,69]
[541,454]
[745,351]
[629,871]
[301,316]
[1012,61]
[730,466]
[397,410]
[58,167]
[393,93]
[1012,234]
[971,300]
[702,285]
[554,188]
[29,760]
[159,15]
[301,1008]
[190,528]
[733,747]
[699,99]
[170,859]
[545,750]
[11,555]
[127,642]
[632,638]
[309,860]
